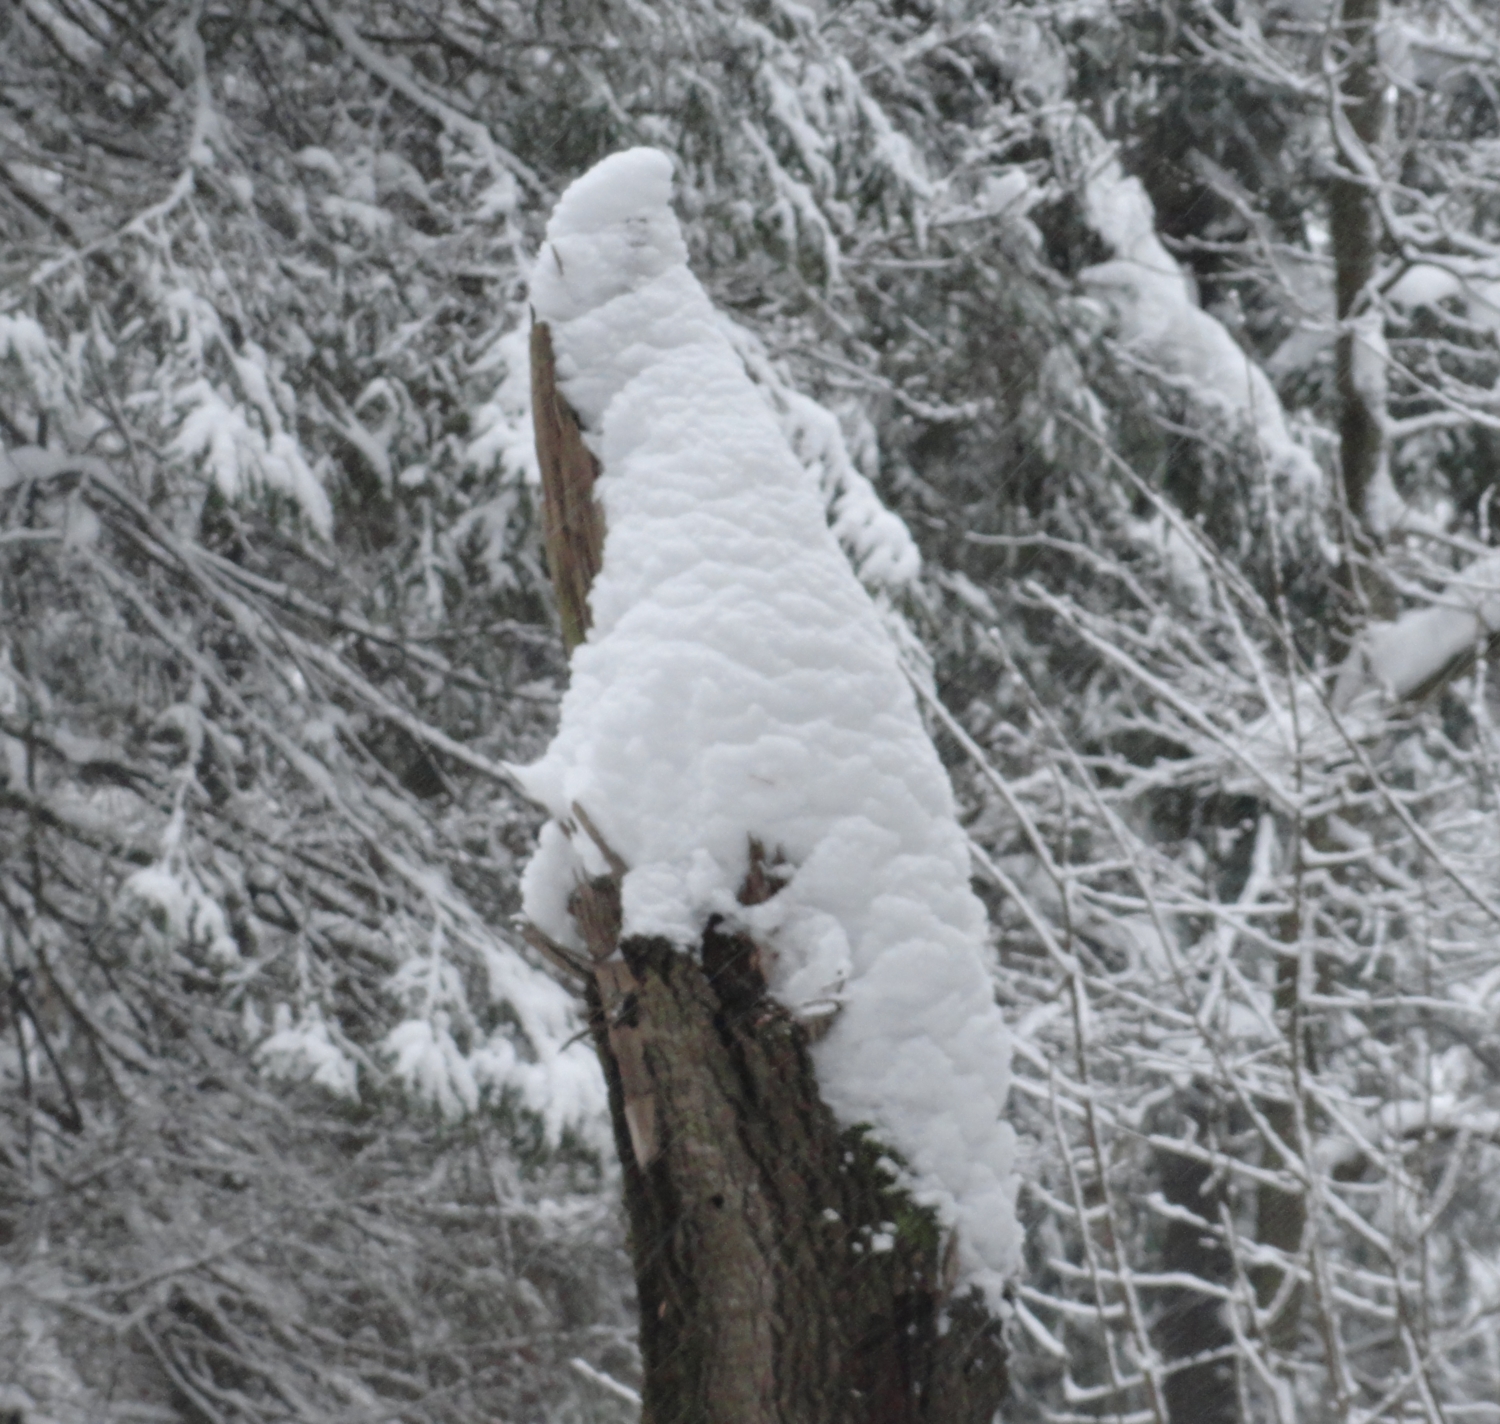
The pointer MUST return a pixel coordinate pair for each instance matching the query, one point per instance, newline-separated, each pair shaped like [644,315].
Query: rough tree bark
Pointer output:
[753,1216]
[572,526]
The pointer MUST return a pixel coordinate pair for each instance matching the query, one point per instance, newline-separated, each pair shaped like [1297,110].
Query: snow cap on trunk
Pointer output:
[738,684]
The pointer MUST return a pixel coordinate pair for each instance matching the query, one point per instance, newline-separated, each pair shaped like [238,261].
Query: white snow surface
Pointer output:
[1305,726]
[1468,284]
[1392,660]
[738,682]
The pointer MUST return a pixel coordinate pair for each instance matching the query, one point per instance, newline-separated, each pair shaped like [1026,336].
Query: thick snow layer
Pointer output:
[878,544]
[738,683]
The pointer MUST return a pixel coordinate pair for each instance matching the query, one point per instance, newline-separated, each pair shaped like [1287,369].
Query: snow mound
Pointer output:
[738,683]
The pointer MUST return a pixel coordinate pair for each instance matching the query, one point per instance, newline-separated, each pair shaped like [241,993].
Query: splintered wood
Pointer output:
[572,522]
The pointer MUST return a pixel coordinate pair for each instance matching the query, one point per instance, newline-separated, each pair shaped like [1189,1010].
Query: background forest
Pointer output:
[1149,357]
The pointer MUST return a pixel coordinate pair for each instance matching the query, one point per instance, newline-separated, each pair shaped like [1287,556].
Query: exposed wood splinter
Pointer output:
[572,522]
[617,867]
[555,954]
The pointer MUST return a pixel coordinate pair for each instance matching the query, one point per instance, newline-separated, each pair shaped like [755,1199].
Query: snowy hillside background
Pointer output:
[293,1126]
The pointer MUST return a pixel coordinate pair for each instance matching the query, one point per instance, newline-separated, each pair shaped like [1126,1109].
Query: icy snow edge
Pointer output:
[738,683]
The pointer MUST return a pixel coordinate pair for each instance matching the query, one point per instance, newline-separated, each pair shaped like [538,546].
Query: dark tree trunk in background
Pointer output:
[1280,1219]
[1354,230]
[754,1218]
[1191,1322]
[1281,1216]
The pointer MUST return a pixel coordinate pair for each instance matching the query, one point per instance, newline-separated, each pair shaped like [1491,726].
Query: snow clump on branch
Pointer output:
[738,684]
[1159,321]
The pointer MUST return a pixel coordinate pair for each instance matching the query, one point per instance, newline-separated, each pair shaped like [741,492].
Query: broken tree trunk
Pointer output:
[782,1278]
